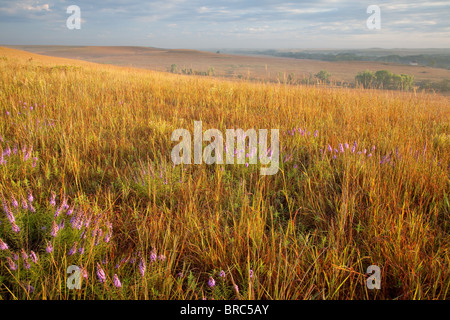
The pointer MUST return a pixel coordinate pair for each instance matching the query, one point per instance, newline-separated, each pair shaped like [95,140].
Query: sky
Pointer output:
[200,24]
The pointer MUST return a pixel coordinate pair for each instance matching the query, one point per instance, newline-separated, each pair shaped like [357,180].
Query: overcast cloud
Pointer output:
[227,24]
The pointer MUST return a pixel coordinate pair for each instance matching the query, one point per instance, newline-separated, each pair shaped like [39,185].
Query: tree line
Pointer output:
[384,79]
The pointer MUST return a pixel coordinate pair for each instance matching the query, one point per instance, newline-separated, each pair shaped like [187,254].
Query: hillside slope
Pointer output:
[86,179]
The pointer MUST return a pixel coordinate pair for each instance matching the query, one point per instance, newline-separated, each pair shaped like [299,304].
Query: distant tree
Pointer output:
[407,82]
[323,75]
[211,71]
[173,68]
[384,79]
[366,79]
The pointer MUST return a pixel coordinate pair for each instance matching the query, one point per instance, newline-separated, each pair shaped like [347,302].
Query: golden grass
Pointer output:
[102,141]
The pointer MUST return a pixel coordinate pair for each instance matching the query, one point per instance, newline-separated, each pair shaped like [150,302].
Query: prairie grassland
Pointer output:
[86,179]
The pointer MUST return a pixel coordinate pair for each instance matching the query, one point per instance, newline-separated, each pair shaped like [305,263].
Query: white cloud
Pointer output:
[44,7]
[25,6]
[290,10]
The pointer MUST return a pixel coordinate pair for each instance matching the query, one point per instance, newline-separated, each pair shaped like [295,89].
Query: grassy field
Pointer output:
[233,66]
[86,179]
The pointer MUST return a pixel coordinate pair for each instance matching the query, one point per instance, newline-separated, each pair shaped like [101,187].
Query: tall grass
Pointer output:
[96,140]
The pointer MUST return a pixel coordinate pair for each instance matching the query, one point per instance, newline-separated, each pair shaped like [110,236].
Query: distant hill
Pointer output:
[266,65]
[436,58]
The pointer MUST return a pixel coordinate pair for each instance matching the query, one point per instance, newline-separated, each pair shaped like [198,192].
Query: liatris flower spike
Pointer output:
[117,282]
[3,246]
[100,273]
[211,282]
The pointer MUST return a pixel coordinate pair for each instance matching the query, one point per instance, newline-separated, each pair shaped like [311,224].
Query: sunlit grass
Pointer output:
[98,137]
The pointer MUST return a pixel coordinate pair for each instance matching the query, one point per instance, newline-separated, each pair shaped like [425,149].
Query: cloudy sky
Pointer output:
[228,24]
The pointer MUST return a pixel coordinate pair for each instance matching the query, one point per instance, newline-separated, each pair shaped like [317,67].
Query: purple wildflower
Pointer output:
[3,246]
[77,221]
[87,221]
[250,273]
[73,249]
[330,149]
[52,199]
[49,248]
[153,256]
[55,229]
[58,211]
[117,282]
[11,263]
[84,272]
[162,257]
[341,147]
[26,156]
[142,266]
[24,203]
[30,197]
[26,264]
[315,134]
[74,221]
[236,288]
[15,204]
[385,159]
[100,273]
[29,288]
[64,204]
[8,212]
[222,274]
[23,254]
[99,235]
[211,282]
[15,227]
[10,216]
[107,237]
[70,211]
[14,256]
[33,256]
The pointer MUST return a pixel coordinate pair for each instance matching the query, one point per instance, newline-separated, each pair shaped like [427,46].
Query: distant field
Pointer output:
[232,66]
[87,180]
